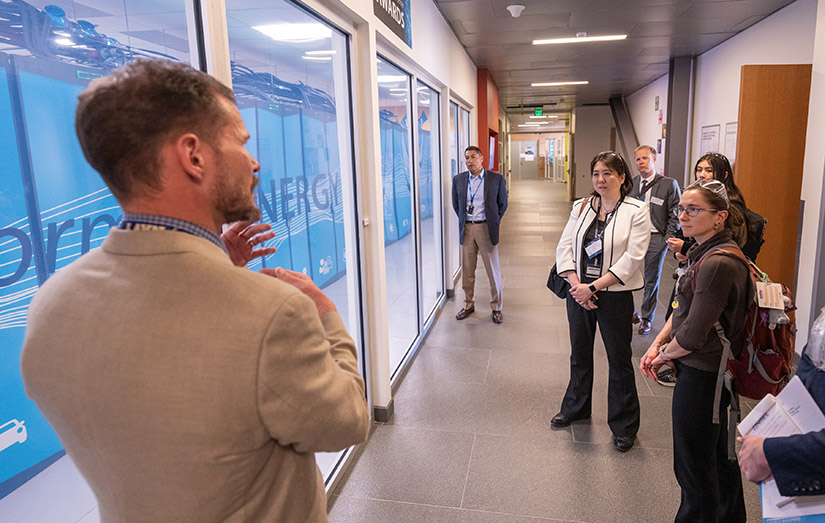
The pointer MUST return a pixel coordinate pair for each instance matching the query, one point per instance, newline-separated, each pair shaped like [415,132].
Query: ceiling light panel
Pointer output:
[579,40]
[556,84]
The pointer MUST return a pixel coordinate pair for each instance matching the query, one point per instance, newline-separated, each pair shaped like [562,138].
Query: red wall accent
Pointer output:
[487,114]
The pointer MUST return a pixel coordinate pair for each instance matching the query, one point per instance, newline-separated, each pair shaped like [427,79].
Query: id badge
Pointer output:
[592,271]
[593,248]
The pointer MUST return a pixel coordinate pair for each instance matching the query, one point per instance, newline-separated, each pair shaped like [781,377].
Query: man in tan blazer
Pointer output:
[186,388]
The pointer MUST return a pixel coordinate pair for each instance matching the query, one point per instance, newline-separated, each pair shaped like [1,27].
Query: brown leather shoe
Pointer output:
[636,318]
[463,313]
[497,317]
[644,327]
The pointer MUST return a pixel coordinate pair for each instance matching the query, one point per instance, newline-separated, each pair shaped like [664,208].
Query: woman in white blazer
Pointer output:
[601,254]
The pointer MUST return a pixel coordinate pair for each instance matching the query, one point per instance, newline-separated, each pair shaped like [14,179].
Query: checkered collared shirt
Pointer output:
[165,223]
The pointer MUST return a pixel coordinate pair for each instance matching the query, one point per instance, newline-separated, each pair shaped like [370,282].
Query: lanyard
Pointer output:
[607,218]
[470,186]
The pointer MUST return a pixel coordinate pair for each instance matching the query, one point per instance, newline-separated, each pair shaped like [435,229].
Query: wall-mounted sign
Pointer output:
[396,15]
[710,139]
[730,140]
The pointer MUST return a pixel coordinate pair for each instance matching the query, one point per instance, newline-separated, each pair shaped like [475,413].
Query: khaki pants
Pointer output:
[477,241]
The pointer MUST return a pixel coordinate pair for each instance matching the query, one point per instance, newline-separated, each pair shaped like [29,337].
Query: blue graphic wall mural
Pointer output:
[395,177]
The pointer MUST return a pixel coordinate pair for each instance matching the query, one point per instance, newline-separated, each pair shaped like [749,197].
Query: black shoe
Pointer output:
[560,421]
[463,313]
[644,327]
[623,443]
[636,318]
[497,317]
[666,376]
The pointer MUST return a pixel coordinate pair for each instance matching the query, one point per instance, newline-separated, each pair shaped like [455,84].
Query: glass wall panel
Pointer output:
[429,185]
[53,205]
[456,165]
[291,81]
[399,241]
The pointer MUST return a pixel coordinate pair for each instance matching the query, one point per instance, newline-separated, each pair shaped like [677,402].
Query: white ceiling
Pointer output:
[657,30]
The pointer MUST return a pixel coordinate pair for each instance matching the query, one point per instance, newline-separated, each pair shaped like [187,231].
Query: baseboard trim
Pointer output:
[384,414]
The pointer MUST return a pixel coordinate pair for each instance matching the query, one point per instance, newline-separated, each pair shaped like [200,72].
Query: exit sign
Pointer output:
[538,111]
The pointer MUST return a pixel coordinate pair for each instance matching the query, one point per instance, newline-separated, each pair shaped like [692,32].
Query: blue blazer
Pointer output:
[495,201]
[798,462]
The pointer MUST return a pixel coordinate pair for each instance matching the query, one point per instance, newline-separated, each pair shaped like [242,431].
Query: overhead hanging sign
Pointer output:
[396,15]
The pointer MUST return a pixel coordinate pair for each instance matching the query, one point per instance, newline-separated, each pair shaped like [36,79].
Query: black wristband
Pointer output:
[593,288]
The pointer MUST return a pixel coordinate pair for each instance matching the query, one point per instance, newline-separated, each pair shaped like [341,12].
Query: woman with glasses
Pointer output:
[601,253]
[718,292]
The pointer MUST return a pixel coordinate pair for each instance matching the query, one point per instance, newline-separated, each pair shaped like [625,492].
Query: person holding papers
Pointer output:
[797,462]
[718,292]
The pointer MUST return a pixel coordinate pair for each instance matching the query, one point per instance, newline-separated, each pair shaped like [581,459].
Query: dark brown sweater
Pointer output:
[722,292]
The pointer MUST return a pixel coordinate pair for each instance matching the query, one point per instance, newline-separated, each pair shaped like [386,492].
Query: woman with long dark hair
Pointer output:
[712,293]
[750,227]
[601,253]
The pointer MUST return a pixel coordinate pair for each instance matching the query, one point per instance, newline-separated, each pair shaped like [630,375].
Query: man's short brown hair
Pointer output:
[123,119]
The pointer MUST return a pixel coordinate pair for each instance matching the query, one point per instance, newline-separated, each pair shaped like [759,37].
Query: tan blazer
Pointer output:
[187,389]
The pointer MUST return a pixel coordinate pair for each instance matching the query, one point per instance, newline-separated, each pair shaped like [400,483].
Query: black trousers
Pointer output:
[614,318]
[711,483]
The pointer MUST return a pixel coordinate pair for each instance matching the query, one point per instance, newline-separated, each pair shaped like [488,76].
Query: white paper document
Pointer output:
[793,411]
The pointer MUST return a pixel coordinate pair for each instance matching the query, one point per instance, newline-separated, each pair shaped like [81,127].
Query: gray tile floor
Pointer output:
[470,440]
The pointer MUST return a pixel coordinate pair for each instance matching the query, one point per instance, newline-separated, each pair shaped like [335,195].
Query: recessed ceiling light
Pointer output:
[546,116]
[554,84]
[320,53]
[317,58]
[295,32]
[398,90]
[579,40]
[529,124]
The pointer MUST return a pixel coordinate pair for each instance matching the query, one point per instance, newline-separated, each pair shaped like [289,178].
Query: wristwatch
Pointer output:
[662,353]
[593,288]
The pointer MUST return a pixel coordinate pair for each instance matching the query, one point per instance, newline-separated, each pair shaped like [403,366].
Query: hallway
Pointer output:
[470,440]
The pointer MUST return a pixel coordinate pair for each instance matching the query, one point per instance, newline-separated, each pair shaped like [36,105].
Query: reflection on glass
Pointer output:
[429,185]
[49,51]
[456,165]
[289,74]
[399,242]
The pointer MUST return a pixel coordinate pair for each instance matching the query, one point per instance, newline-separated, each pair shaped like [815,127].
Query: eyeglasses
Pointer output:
[691,211]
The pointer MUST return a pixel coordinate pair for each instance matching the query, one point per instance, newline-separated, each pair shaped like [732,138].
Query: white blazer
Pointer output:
[624,242]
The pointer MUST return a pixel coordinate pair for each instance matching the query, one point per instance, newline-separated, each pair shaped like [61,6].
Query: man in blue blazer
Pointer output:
[796,462]
[479,200]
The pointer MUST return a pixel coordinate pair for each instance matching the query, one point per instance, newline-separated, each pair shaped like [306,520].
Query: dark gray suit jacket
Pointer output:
[495,201]
[662,200]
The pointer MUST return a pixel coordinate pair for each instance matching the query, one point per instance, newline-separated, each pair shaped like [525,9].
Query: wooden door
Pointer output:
[770,150]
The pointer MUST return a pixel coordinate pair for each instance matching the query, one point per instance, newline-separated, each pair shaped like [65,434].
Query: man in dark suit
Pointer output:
[662,197]
[479,200]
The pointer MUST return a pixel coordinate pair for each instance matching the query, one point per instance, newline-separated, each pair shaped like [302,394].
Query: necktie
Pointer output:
[642,190]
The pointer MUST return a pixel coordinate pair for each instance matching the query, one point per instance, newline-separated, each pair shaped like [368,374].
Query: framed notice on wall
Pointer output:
[710,139]
[730,140]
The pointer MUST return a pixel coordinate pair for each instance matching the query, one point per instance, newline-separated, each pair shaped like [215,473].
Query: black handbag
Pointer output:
[557,284]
